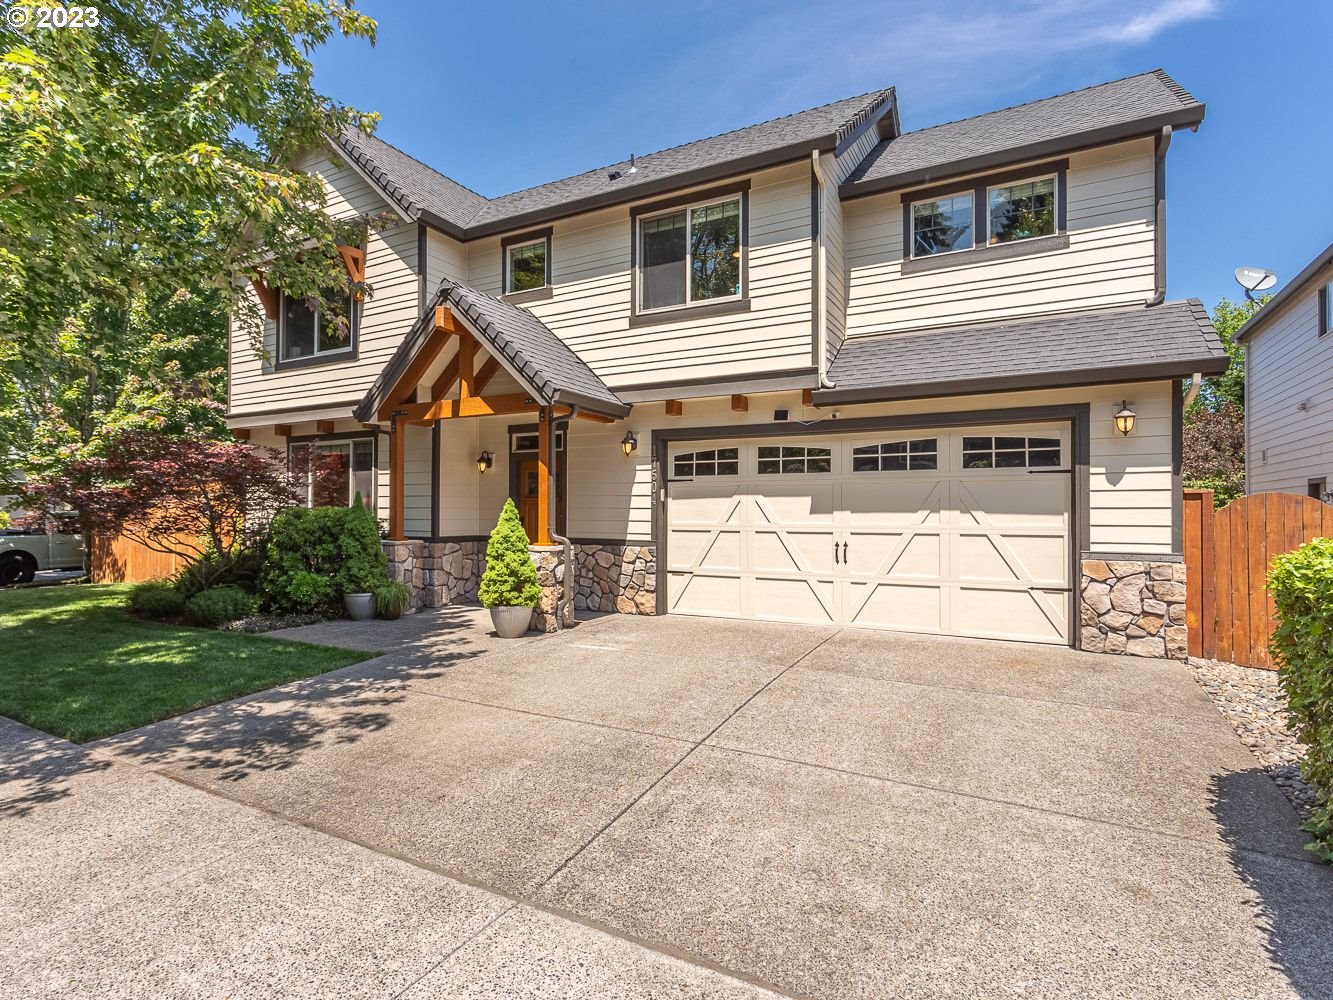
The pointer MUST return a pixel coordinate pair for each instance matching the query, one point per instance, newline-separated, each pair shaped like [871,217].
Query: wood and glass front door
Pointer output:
[526,494]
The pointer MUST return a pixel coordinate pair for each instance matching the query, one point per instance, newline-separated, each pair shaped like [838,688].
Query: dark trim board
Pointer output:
[1078,416]
[982,255]
[302,408]
[1177,468]
[816,235]
[780,381]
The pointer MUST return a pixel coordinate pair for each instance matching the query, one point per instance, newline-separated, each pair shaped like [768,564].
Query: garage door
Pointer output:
[958,532]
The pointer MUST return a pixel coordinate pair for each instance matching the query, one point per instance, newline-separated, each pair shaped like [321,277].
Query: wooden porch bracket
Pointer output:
[473,406]
[282,430]
[487,372]
[268,297]
[807,397]
[544,477]
[354,259]
[323,426]
[241,433]
[740,404]
[674,408]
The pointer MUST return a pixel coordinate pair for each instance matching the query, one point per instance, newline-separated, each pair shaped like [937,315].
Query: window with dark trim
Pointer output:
[896,456]
[942,225]
[526,262]
[1011,452]
[712,462]
[1021,211]
[1317,489]
[1326,309]
[793,460]
[306,329]
[333,473]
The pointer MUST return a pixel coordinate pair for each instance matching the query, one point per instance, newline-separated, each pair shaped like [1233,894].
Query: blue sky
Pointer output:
[504,96]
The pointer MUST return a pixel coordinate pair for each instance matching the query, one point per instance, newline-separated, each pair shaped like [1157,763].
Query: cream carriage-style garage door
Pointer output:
[960,532]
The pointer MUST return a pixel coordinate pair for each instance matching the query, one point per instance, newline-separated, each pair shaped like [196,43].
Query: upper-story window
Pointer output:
[942,225]
[308,330]
[527,264]
[1022,211]
[691,254]
[1326,309]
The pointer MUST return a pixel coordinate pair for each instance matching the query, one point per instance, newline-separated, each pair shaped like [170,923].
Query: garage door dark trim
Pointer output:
[1077,414]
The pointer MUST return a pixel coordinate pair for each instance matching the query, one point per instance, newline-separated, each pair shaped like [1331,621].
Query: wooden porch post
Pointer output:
[543,476]
[397,432]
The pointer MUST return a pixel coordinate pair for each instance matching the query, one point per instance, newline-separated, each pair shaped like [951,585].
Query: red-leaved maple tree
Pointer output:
[173,495]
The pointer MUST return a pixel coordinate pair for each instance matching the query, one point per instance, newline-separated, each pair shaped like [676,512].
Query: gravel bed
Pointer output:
[1254,704]
[270,623]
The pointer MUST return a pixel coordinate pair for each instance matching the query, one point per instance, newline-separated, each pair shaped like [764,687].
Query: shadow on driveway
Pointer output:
[1293,898]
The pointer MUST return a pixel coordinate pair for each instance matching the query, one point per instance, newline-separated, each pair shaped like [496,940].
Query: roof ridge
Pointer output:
[1159,73]
[863,115]
[880,94]
[416,159]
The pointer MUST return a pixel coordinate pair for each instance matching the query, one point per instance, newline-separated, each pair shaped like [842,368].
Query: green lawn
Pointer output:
[74,664]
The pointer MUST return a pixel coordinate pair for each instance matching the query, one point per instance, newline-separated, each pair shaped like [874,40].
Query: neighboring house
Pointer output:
[1289,386]
[819,370]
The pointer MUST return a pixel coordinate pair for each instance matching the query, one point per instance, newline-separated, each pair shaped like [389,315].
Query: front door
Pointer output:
[527,496]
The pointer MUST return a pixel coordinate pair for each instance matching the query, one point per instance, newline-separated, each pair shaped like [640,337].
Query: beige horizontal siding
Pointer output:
[391,263]
[1288,364]
[1109,215]
[445,258]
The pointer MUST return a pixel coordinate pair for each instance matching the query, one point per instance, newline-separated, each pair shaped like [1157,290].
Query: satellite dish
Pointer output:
[1255,279]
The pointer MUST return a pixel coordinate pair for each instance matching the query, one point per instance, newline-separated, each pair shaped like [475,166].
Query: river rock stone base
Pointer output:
[1251,699]
[550,577]
[620,578]
[1133,608]
[439,573]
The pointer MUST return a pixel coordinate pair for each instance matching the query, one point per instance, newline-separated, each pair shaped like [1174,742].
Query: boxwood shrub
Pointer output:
[317,554]
[156,599]
[1301,583]
[220,604]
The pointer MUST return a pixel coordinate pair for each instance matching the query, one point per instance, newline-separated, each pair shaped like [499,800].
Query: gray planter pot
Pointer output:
[360,607]
[510,623]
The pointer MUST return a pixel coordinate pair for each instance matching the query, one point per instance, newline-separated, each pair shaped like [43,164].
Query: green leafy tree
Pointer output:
[510,579]
[1229,387]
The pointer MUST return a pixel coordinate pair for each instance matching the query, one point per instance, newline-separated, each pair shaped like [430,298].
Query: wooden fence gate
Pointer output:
[1227,554]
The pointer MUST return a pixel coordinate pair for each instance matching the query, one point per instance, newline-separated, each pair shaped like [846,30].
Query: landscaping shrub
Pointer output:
[1301,583]
[241,569]
[317,554]
[220,604]
[391,599]
[156,599]
[510,579]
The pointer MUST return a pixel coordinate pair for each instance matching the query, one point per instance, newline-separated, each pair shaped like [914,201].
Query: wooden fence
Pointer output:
[117,559]
[1227,554]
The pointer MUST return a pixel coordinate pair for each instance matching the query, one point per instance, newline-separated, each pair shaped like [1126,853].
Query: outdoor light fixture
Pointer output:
[629,443]
[1124,419]
[484,461]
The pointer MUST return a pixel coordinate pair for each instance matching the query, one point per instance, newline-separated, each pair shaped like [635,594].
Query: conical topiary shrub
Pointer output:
[509,585]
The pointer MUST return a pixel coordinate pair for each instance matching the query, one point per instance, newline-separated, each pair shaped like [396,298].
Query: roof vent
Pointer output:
[615,175]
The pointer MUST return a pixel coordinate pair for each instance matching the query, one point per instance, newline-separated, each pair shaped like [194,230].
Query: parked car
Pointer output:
[54,544]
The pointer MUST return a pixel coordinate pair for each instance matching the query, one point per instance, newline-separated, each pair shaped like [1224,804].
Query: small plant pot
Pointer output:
[391,614]
[510,623]
[360,607]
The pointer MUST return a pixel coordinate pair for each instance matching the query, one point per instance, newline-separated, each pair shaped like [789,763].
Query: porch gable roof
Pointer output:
[541,362]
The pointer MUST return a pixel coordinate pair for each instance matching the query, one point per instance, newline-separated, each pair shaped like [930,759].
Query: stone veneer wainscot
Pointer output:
[1134,607]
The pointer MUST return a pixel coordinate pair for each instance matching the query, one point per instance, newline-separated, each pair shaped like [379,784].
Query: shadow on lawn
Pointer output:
[1293,899]
[37,769]
[272,731]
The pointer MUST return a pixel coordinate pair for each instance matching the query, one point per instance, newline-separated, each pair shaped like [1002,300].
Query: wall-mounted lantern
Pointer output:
[1124,419]
[629,443]
[484,461]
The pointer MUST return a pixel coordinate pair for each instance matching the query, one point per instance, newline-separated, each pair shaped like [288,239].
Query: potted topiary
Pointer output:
[509,585]
[363,562]
[391,599]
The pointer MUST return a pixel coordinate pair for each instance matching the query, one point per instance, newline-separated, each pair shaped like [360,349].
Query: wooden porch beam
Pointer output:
[486,373]
[544,476]
[406,386]
[397,436]
[474,406]
[467,367]
[740,404]
[674,408]
[446,380]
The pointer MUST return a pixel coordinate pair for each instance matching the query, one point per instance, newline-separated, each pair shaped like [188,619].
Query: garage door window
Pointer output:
[896,456]
[1011,453]
[793,460]
[714,462]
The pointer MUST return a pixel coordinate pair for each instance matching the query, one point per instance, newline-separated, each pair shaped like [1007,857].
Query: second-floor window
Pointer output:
[1022,211]
[690,255]
[527,262]
[942,225]
[307,329]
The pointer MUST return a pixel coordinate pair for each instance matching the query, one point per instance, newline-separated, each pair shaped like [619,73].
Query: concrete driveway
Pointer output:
[670,807]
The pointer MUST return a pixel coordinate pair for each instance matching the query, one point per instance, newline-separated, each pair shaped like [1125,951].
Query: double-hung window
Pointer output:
[309,329]
[691,254]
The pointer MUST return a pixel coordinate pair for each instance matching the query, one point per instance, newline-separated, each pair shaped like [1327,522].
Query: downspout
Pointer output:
[1159,221]
[564,604]
[818,299]
[1196,383]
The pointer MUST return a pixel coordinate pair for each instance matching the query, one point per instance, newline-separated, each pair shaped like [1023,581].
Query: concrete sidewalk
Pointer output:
[686,807]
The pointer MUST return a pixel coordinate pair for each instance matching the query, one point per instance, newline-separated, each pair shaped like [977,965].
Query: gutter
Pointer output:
[1159,220]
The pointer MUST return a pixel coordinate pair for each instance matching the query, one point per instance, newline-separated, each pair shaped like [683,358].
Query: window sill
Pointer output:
[529,295]
[315,360]
[980,255]
[686,313]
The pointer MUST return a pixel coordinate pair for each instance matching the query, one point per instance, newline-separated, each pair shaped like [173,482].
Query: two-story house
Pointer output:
[814,370]
[1288,374]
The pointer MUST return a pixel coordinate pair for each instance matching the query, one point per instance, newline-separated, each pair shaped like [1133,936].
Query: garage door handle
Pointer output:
[844,553]
[835,553]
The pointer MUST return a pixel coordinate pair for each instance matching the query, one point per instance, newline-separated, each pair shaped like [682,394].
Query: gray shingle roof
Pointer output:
[409,183]
[539,358]
[1076,348]
[1144,103]
[415,187]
